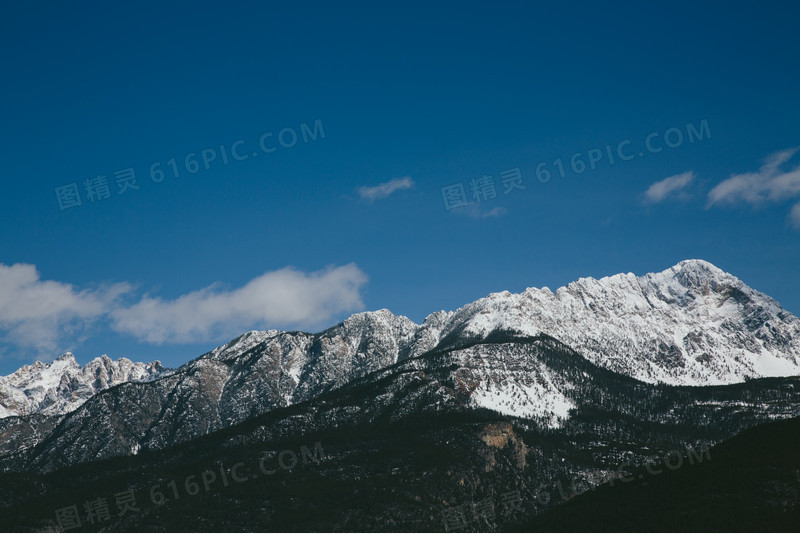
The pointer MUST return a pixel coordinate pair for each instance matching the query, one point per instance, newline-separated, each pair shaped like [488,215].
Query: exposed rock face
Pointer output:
[501,436]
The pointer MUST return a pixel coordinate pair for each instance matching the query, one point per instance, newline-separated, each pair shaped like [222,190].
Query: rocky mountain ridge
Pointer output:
[692,324]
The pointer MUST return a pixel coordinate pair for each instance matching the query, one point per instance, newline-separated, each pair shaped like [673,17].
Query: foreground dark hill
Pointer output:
[750,483]
[404,448]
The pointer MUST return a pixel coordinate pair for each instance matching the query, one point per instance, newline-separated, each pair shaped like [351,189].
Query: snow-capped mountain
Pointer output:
[692,324]
[63,385]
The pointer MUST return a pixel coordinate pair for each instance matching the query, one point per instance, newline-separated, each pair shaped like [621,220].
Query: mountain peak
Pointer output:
[698,264]
[696,271]
[66,357]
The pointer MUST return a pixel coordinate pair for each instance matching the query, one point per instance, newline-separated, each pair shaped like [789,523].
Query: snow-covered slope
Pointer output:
[63,385]
[510,381]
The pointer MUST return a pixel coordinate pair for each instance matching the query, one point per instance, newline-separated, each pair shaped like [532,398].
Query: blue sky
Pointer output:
[389,105]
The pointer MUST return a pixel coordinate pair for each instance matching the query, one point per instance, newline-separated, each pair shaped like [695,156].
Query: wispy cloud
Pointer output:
[48,317]
[377,192]
[473,210]
[769,184]
[42,315]
[794,216]
[668,187]
[772,183]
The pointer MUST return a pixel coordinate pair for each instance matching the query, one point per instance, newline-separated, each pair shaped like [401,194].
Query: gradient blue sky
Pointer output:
[441,93]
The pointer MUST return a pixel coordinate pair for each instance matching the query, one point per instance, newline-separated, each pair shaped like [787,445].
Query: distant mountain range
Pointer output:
[510,391]
[62,386]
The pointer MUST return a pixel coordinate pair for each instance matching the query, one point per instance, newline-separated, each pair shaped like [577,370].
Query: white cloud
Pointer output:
[280,298]
[768,184]
[385,189]
[40,314]
[44,318]
[474,211]
[667,187]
